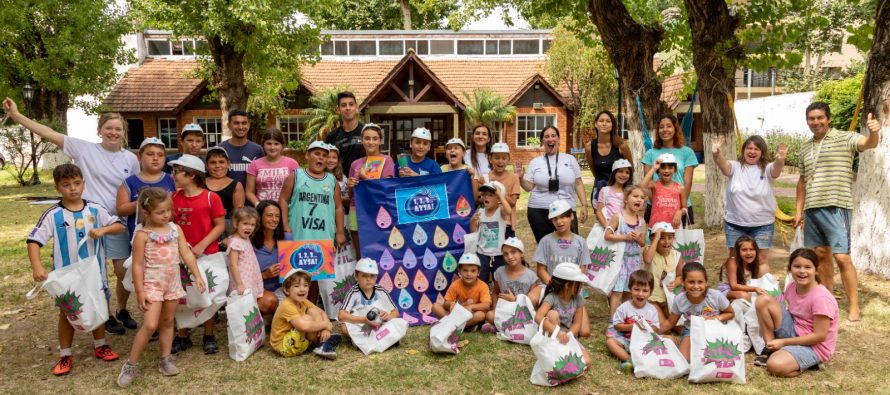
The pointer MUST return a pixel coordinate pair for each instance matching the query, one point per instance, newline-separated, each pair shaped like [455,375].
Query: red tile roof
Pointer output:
[670,90]
[157,85]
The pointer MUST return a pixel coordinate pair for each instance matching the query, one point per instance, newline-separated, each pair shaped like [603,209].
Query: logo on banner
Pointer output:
[308,257]
[420,204]
[314,256]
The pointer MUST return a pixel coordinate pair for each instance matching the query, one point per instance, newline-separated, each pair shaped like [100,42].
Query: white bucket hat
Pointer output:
[571,272]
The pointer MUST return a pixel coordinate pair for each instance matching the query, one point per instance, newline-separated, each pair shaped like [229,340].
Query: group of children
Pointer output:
[178,217]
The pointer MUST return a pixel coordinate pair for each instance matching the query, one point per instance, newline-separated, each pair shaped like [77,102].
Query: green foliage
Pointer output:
[266,33]
[486,107]
[323,115]
[16,143]
[584,69]
[66,46]
[841,96]
[533,142]
[382,14]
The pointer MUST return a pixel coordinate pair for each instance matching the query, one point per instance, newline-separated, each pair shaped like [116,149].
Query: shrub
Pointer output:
[841,96]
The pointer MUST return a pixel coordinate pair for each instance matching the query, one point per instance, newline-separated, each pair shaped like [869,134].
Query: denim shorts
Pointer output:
[117,246]
[763,235]
[803,355]
[621,339]
[827,226]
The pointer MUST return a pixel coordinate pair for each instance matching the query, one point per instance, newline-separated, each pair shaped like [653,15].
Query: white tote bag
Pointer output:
[714,352]
[670,294]
[655,356]
[445,333]
[691,244]
[78,291]
[768,283]
[370,339]
[740,307]
[752,328]
[333,292]
[556,363]
[606,258]
[127,281]
[515,320]
[216,276]
[246,329]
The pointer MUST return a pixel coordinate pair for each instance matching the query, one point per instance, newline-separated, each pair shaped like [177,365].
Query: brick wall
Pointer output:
[526,154]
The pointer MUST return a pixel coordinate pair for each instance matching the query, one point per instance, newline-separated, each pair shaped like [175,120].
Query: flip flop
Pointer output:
[853,323]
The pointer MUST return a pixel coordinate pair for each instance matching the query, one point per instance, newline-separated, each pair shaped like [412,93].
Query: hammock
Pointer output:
[689,118]
[647,140]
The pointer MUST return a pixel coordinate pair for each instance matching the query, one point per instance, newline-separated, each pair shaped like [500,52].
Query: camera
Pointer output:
[374,317]
[553,185]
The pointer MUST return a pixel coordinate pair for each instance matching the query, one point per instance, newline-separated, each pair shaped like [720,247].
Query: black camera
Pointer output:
[553,185]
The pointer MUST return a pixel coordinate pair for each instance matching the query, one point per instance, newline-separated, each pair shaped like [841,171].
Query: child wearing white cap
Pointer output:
[499,158]
[298,323]
[454,153]
[311,206]
[513,279]
[629,227]
[563,306]
[191,139]
[611,197]
[364,294]
[490,222]
[662,258]
[561,246]
[469,292]
[417,164]
[668,196]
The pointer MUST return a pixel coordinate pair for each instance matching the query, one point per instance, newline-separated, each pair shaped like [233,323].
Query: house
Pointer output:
[402,80]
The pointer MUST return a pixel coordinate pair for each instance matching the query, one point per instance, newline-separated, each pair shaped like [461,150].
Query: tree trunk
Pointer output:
[871,195]
[631,48]
[715,54]
[228,79]
[51,107]
[405,5]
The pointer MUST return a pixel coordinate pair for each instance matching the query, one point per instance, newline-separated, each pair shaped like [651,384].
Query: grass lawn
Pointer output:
[28,345]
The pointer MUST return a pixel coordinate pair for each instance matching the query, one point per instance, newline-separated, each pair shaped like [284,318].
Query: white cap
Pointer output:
[189,161]
[515,243]
[152,141]
[422,133]
[457,141]
[218,149]
[664,227]
[493,186]
[571,272]
[469,259]
[292,272]
[318,144]
[667,158]
[192,127]
[621,164]
[500,148]
[366,265]
[558,207]
[372,126]
[332,147]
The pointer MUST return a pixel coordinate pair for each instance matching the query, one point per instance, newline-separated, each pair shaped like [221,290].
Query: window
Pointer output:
[212,130]
[177,48]
[505,47]
[340,48]
[188,47]
[362,48]
[528,126]
[442,47]
[547,44]
[421,47]
[525,47]
[470,47]
[392,47]
[201,46]
[168,131]
[327,48]
[158,47]
[292,127]
[497,131]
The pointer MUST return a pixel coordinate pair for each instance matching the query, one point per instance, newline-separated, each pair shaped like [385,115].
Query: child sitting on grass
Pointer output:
[298,322]
[68,223]
[563,306]
[630,313]
[662,258]
[469,292]
[366,293]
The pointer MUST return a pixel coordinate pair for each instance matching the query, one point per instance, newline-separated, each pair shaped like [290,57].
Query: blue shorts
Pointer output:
[827,227]
[117,246]
[763,235]
[803,355]
[619,337]
[489,265]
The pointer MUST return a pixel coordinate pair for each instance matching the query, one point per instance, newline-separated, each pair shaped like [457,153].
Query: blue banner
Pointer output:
[414,228]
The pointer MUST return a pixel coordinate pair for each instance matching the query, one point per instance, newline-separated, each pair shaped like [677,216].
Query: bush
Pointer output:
[775,137]
[841,96]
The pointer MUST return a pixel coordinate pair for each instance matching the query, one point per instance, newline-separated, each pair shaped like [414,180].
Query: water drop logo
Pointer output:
[422,204]
[308,257]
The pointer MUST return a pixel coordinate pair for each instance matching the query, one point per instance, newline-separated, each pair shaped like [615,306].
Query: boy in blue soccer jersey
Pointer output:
[68,223]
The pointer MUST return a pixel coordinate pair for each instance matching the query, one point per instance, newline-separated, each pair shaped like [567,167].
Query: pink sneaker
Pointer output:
[489,328]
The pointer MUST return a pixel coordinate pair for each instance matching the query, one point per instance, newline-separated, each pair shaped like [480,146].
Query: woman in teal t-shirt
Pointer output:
[669,139]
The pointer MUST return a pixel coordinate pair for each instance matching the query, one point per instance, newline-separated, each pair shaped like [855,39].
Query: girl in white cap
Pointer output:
[662,258]
[563,306]
[667,195]
[629,227]
[513,279]
[372,166]
[611,198]
[454,153]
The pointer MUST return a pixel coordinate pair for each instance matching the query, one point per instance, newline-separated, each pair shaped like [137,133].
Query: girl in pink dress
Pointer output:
[244,270]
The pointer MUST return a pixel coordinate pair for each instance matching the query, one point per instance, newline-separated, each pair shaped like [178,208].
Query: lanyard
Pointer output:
[814,157]
[555,174]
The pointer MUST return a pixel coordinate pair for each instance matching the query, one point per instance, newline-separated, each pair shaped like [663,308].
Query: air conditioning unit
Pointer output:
[538,106]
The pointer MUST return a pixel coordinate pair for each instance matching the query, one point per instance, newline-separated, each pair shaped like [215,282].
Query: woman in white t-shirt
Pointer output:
[549,177]
[749,201]
[480,147]
[105,166]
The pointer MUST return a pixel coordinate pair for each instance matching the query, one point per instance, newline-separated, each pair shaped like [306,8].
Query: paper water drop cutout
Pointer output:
[440,298]
[385,282]
[426,306]
[440,282]
[419,235]
[449,263]
[420,282]
[401,279]
[396,240]
[405,299]
[386,260]
[409,261]
[384,220]
[458,234]
[462,208]
[429,259]
[428,319]
[411,320]
[440,238]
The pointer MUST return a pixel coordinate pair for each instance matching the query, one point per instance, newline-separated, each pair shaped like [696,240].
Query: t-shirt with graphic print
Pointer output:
[553,251]
[711,306]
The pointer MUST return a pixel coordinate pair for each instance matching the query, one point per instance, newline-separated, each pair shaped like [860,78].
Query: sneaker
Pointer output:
[154,336]
[124,317]
[114,327]
[626,367]
[166,366]
[128,374]
[335,339]
[63,367]
[210,346]
[181,344]
[104,353]
[761,359]
[325,350]
[489,328]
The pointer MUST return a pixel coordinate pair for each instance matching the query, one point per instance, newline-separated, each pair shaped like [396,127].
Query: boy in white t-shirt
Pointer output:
[491,222]
[629,314]
[366,296]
